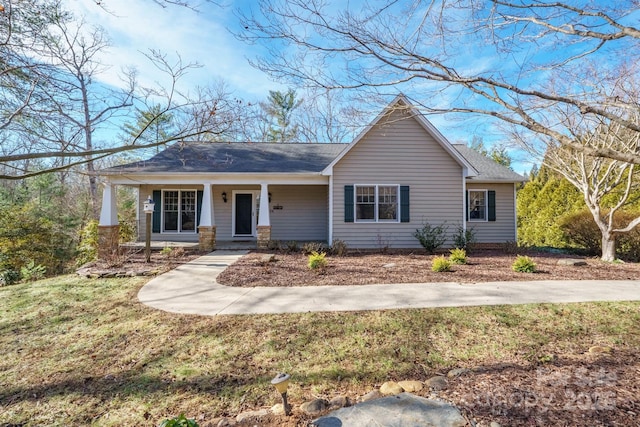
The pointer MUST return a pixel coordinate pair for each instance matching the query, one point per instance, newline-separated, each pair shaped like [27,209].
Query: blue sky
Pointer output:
[135,26]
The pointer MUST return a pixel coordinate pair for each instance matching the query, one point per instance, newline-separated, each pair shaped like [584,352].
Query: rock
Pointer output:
[314,407]
[390,388]
[411,386]
[390,265]
[437,383]
[457,372]
[403,409]
[266,259]
[571,262]
[278,409]
[246,416]
[340,402]
[495,424]
[224,422]
[372,395]
[600,349]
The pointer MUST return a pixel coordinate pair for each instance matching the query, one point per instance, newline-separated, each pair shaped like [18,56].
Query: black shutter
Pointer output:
[492,205]
[404,203]
[157,212]
[466,204]
[348,203]
[198,205]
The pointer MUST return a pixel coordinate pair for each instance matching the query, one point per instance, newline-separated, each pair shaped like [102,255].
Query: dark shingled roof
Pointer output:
[488,170]
[236,157]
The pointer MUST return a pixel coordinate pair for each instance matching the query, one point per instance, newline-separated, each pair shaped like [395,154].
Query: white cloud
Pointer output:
[137,26]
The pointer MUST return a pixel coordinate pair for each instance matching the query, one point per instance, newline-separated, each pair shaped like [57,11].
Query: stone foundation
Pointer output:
[207,238]
[264,236]
[108,241]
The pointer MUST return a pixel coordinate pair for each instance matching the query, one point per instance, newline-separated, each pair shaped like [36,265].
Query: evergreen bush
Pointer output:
[431,238]
[440,264]
[458,256]
[524,264]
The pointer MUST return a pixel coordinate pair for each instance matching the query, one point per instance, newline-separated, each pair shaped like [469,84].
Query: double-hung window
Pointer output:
[478,205]
[376,203]
[179,211]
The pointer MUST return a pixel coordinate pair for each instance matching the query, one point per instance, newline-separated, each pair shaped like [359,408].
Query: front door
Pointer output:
[243,215]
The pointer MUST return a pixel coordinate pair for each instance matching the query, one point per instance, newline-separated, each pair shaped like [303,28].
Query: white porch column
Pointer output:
[108,228]
[207,227]
[109,212]
[206,214]
[263,215]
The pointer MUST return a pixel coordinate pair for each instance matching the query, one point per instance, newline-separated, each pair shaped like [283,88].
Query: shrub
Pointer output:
[31,271]
[458,256]
[464,239]
[274,245]
[310,247]
[317,260]
[579,229]
[431,238]
[524,264]
[179,421]
[88,246]
[9,277]
[291,247]
[339,248]
[510,247]
[440,264]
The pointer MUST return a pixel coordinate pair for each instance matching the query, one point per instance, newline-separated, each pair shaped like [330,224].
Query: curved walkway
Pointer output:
[192,288]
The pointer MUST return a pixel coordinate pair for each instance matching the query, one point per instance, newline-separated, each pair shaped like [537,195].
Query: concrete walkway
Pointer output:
[192,288]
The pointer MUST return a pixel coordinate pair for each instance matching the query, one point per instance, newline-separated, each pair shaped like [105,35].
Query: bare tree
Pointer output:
[607,185]
[512,61]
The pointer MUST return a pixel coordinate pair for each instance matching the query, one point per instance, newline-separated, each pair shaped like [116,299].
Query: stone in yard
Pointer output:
[600,349]
[314,407]
[278,409]
[390,265]
[390,388]
[437,383]
[571,262]
[266,259]
[457,372]
[411,386]
[340,402]
[401,410]
[372,395]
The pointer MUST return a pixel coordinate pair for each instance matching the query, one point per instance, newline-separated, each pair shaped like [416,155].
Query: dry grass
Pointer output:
[85,352]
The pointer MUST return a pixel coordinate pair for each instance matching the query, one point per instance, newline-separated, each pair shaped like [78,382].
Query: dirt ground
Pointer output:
[376,268]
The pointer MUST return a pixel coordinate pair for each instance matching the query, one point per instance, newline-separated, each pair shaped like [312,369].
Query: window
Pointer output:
[179,211]
[376,203]
[478,205]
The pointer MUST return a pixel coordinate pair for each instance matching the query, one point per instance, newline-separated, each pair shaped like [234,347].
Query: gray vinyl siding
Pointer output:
[503,229]
[304,213]
[399,151]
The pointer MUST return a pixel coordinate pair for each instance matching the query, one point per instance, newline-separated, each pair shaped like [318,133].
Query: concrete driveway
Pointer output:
[192,288]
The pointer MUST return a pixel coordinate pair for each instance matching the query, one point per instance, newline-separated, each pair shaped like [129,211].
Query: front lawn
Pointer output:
[85,352]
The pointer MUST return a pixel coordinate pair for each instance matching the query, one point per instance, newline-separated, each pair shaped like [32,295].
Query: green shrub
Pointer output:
[291,247]
[431,238]
[458,256]
[339,248]
[31,271]
[464,239]
[88,246]
[9,277]
[440,264]
[317,260]
[310,247]
[579,229]
[179,421]
[274,245]
[524,264]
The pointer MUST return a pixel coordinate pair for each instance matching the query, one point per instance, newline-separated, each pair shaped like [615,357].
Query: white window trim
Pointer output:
[376,204]
[486,204]
[178,231]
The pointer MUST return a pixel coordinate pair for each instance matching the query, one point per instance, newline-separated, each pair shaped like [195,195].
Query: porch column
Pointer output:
[264,222]
[108,227]
[207,227]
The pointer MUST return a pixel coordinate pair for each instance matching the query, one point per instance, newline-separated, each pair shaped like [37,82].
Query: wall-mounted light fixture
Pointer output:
[224,196]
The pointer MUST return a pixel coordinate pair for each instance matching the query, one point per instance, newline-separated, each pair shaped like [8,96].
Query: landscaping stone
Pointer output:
[390,388]
[437,383]
[372,395]
[246,416]
[340,402]
[571,262]
[390,265]
[266,259]
[314,407]
[495,424]
[402,410]
[224,422]
[411,386]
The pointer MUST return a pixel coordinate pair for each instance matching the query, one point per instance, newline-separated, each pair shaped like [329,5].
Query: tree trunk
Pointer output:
[608,247]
